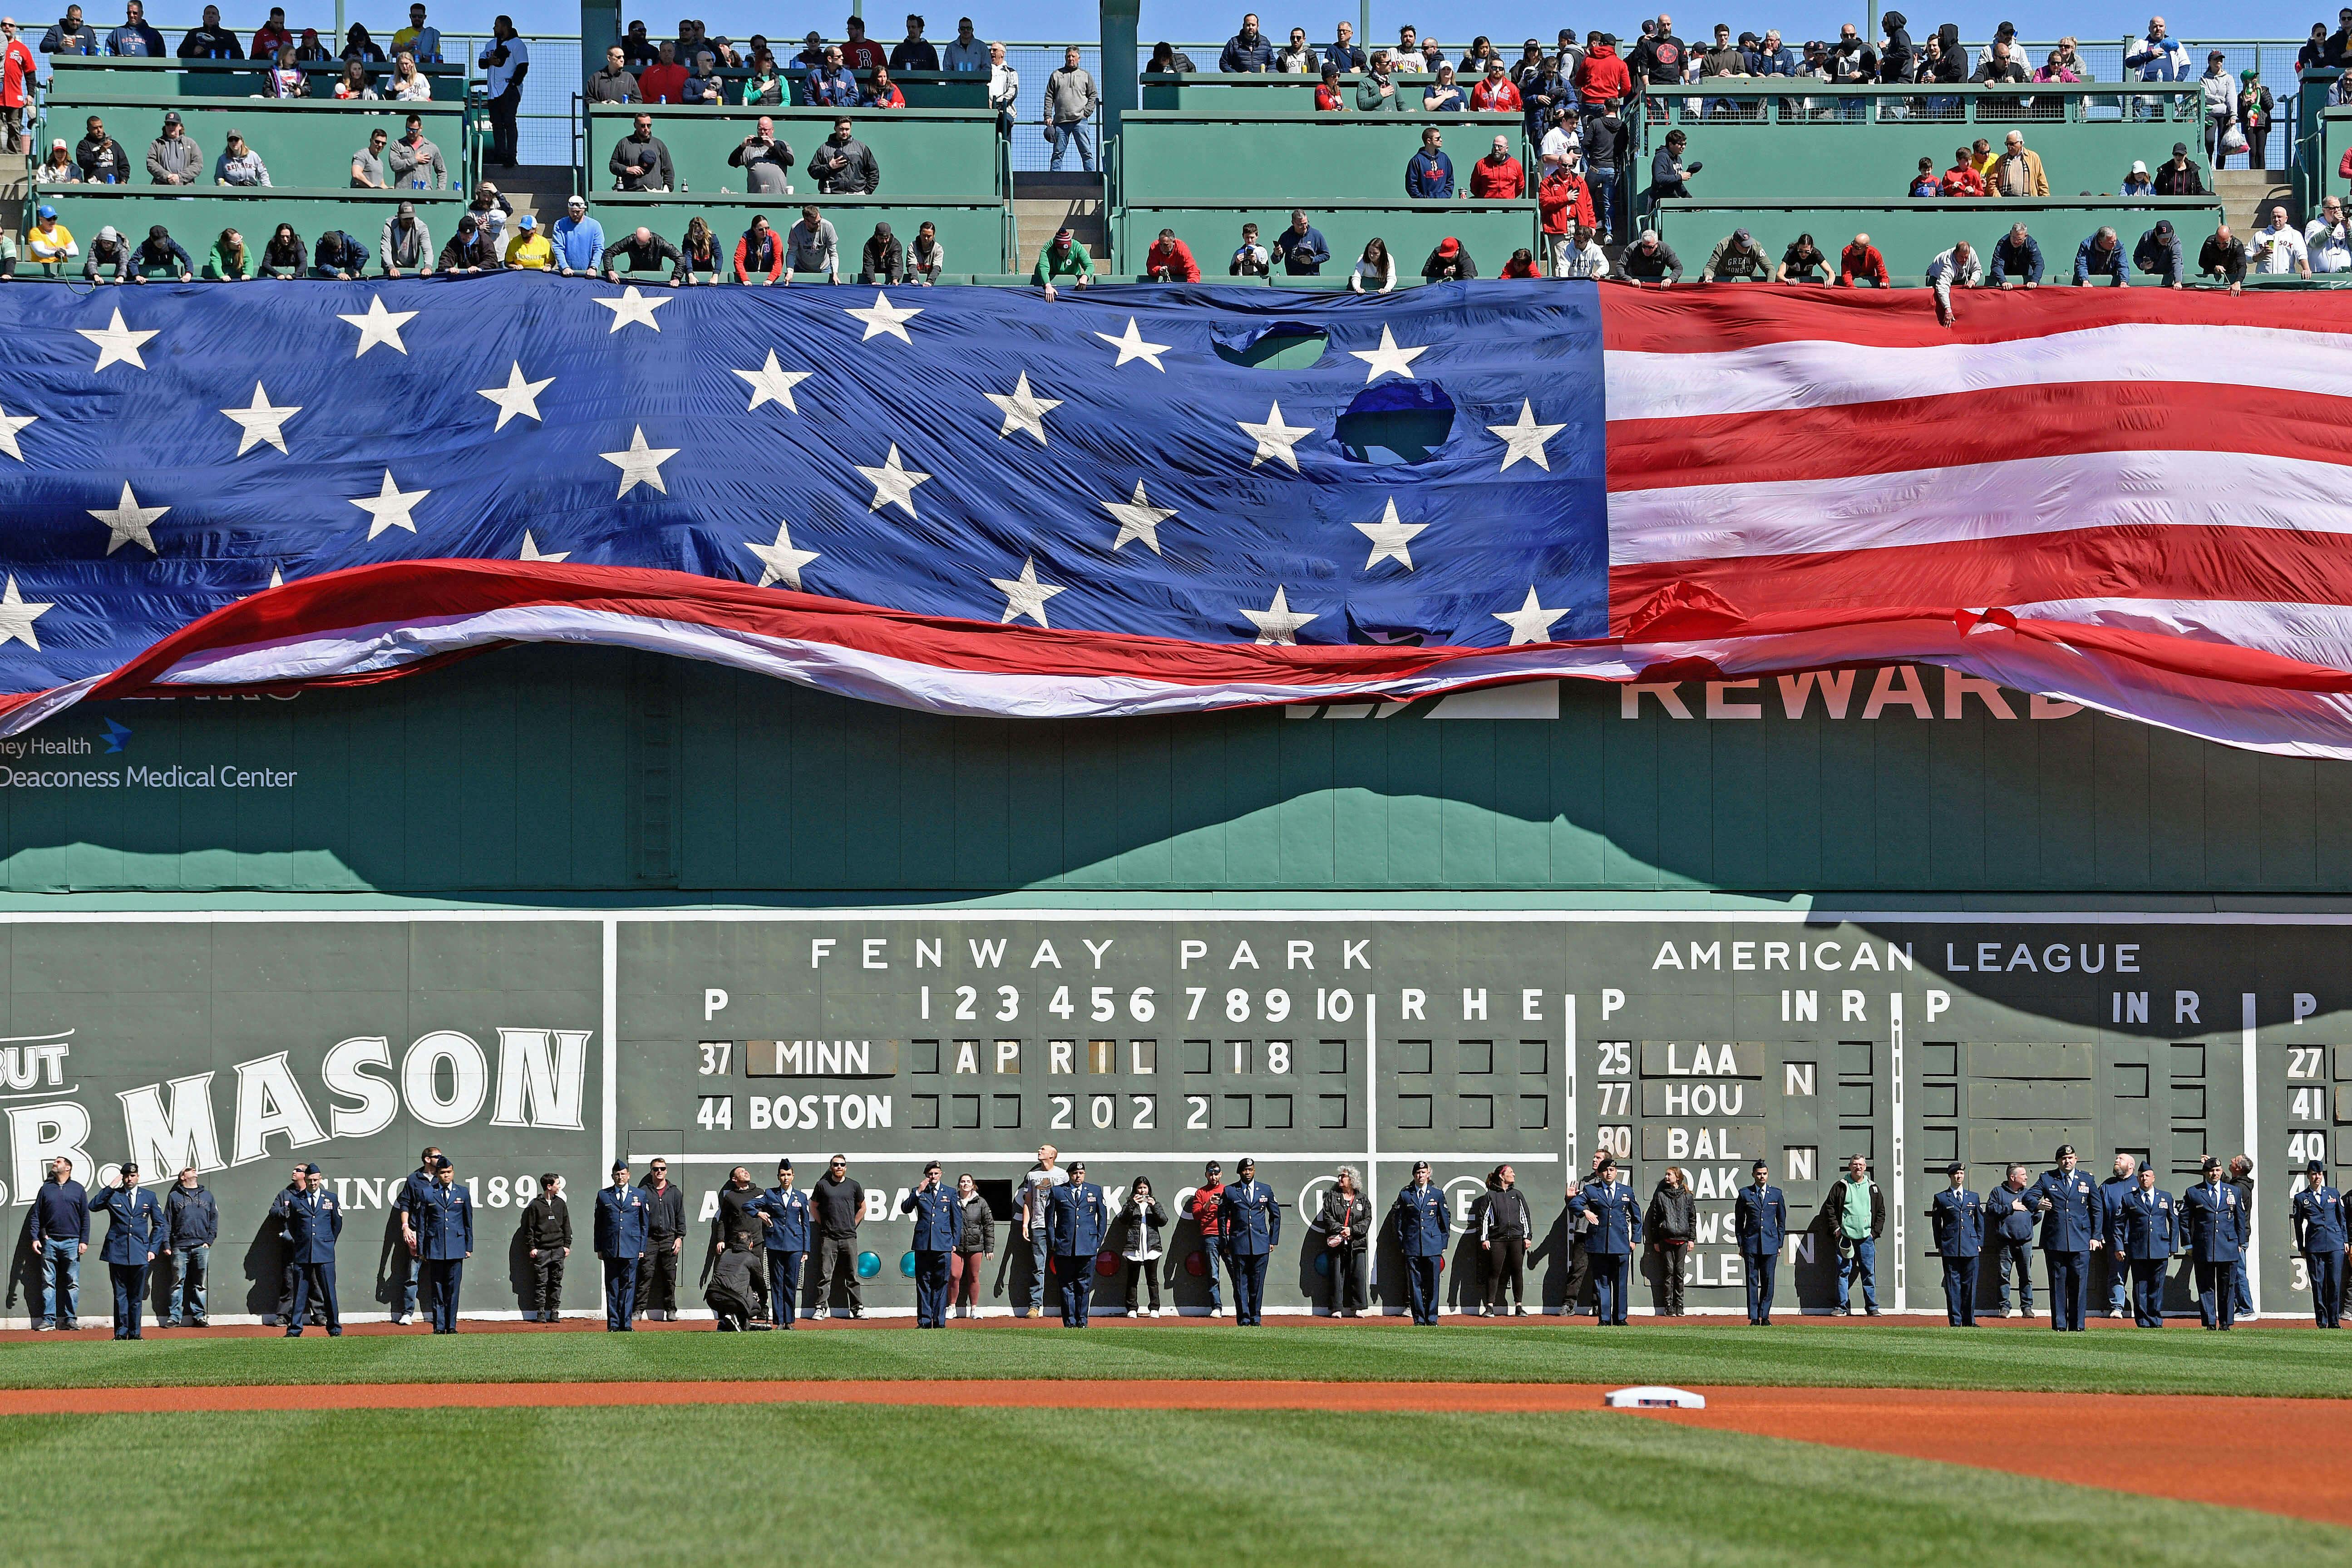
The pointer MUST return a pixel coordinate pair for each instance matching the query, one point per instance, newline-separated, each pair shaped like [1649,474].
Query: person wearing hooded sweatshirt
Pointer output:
[108,249]
[883,259]
[1896,55]
[173,158]
[406,244]
[1449,262]
[160,252]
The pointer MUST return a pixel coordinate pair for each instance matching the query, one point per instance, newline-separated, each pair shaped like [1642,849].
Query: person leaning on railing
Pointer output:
[2102,256]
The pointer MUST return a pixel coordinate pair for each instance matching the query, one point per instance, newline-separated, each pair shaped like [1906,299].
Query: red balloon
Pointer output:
[1196,1264]
[1107,1263]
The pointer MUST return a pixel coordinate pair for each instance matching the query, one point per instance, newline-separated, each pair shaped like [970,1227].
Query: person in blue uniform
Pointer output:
[445,1240]
[1423,1230]
[1076,1224]
[313,1221]
[2112,1193]
[939,1222]
[1253,1220]
[1957,1218]
[783,1211]
[2069,1206]
[1616,1235]
[622,1215]
[2318,1219]
[134,1235]
[2216,1228]
[2142,1233]
[1760,1224]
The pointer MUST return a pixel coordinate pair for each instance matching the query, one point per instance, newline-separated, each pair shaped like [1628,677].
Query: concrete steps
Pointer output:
[538,189]
[2248,194]
[1043,202]
[15,170]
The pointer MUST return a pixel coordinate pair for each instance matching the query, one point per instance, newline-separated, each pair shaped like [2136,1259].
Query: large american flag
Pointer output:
[976,501]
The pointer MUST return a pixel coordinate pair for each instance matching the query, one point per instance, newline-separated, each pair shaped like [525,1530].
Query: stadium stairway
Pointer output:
[14,179]
[1043,202]
[2246,192]
[539,189]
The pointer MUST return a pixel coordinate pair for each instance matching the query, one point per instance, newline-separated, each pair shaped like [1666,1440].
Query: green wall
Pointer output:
[973,228]
[173,81]
[921,151]
[304,141]
[196,220]
[1909,234]
[1213,230]
[1173,157]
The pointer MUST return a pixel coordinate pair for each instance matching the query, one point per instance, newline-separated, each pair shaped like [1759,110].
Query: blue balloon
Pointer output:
[1323,1263]
[869,1264]
[906,1266]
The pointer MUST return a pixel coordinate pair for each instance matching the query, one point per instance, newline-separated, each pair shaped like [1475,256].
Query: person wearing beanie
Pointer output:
[108,249]
[1065,257]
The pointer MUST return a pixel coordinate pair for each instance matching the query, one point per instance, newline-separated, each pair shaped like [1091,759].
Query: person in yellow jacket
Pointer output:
[2018,171]
[529,248]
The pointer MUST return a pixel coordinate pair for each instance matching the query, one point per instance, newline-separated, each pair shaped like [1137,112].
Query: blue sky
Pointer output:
[1054,20]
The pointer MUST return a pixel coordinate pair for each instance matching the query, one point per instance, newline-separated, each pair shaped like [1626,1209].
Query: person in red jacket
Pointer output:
[1962,179]
[1495,93]
[1860,262]
[1170,260]
[1566,204]
[1207,1209]
[759,254]
[1522,264]
[1600,78]
[1499,176]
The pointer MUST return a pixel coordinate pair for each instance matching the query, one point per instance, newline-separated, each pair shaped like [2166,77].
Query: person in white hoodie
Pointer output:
[2327,238]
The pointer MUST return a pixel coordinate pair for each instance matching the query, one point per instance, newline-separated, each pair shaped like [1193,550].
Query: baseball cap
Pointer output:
[171,117]
[528,222]
[2180,149]
[1740,235]
[408,209]
[1448,246]
[2138,166]
[48,211]
[57,142]
[2164,227]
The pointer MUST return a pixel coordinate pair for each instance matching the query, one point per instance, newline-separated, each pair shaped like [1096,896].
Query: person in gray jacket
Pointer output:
[812,245]
[416,164]
[172,158]
[408,245]
[239,164]
[1071,99]
[842,165]
[1673,1224]
[640,161]
[763,160]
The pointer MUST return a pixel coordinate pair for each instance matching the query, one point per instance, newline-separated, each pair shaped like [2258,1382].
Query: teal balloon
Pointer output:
[869,1264]
[906,1266]
[1323,1263]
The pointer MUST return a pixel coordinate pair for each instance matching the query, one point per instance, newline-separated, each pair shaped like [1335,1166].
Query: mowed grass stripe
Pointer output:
[1017,1487]
[2176,1360]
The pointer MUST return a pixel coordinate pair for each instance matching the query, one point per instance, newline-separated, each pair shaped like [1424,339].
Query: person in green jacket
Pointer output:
[1377,93]
[1066,258]
[230,261]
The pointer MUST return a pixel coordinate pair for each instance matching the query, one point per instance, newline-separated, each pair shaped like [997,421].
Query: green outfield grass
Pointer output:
[2177,1361]
[840,1483]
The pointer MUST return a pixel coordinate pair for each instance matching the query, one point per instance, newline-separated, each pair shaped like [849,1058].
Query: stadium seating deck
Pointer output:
[1489,230]
[1184,155]
[177,80]
[195,222]
[976,230]
[923,152]
[302,141]
[1910,233]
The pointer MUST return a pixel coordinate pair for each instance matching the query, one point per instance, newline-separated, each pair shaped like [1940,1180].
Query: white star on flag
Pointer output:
[1526,439]
[640,464]
[1388,358]
[1274,439]
[1530,621]
[1137,519]
[1024,595]
[894,485]
[390,507]
[532,552]
[278,576]
[379,326]
[117,344]
[780,563]
[1277,624]
[16,616]
[632,306]
[1131,346]
[128,522]
[1389,537]
[261,423]
[1023,409]
[516,396]
[9,424]
[772,382]
[882,317]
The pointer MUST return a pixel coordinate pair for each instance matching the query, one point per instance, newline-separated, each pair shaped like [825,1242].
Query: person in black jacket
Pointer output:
[839,1204]
[842,165]
[733,1274]
[1672,1223]
[100,157]
[469,249]
[1345,1225]
[337,255]
[1136,1236]
[1843,1215]
[546,1238]
[645,251]
[2177,176]
[665,1242]
[159,252]
[191,1225]
[974,1246]
[735,1217]
[1450,262]
[1503,1224]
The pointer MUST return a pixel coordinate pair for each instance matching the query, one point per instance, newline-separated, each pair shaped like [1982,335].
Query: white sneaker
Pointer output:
[1153,1313]
[401,1318]
[1216,1311]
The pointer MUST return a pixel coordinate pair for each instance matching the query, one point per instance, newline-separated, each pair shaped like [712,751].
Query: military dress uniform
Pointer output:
[1760,1221]
[621,1217]
[1252,1218]
[313,1222]
[939,1223]
[2216,1224]
[135,1233]
[2069,1227]
[1422,1231]
[788,1232]
[2320,1220]
[445,1240]
[2144,1235]
[1076,1223]
[1616,1234]
[1957,1218]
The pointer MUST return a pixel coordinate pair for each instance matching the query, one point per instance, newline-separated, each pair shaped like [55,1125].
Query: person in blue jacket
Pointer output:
[1076,1224]
[1760,1223]
[313,1220]
[1422,1231]
[409,1266]
[2100,256]
[939,1224]
[1616,1215]
[2142,1233]
[2016,258]
[622,1212]
[134,1235]
[1252,1230]
[2319,1222]
[1957,1218]
[2215,1226]
[2112,1192]
[783,1211]
[56,1232]
[2069,1206]
[445,1240]
[2009,1219]
[1428,173]
[192,1218]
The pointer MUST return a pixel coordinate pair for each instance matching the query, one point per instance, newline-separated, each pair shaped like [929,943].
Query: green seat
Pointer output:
[1910,233]
[302,141]
[1491,230]
[923,152]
